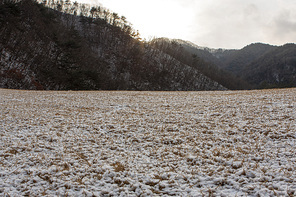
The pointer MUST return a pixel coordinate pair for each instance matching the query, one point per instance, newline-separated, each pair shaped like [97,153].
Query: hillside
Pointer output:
[277,68]
[69,46]
[201,58]
[258,65]
[235,60]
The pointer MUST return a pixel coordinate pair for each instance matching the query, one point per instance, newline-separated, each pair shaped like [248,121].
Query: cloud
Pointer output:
[212,23]
[282,28]
[234,24]
[229,24]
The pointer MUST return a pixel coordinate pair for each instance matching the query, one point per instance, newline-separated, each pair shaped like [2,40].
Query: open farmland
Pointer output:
[230,143]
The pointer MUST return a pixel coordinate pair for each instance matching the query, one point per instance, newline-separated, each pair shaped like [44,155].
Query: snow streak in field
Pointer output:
[148,143]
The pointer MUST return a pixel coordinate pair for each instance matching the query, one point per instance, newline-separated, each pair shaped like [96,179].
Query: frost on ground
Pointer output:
[239,143]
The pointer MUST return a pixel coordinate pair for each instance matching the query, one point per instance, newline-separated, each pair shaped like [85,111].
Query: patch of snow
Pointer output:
[232,143]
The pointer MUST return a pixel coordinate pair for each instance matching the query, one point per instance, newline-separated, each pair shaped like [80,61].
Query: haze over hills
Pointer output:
[71,46]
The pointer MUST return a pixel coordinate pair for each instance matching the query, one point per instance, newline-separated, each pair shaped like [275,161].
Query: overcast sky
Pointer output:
[211,23]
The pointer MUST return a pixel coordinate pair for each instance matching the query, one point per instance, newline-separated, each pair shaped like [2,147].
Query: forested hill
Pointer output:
[202,59]
[71,46]
[274,69]
[257,65]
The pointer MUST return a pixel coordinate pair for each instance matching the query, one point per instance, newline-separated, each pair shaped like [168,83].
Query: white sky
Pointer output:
[211,23]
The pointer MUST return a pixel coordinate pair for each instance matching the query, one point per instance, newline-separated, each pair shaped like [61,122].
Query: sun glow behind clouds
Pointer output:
[153,18]
[212,23]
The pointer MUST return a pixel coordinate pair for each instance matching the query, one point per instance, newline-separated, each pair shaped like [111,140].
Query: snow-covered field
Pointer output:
[231,143]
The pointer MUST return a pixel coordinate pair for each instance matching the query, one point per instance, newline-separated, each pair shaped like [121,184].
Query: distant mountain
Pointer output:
[259,65]
[56,45]
[201,58]
[236,60]
[274,69]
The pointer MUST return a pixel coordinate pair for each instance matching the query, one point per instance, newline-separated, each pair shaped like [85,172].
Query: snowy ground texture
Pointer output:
[231,143]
